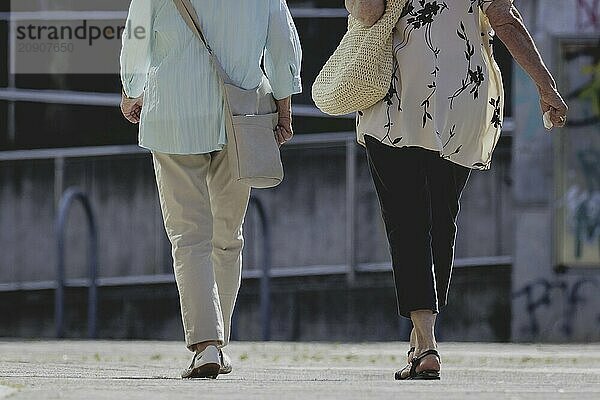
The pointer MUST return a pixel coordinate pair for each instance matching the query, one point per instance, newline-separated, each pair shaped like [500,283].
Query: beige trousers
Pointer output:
[203,211]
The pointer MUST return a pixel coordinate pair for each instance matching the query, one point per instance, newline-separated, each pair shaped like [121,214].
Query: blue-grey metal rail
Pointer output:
[265,278]
[71,195]
[266,273]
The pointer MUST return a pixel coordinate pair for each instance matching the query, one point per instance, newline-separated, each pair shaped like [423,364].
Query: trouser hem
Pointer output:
[200,339]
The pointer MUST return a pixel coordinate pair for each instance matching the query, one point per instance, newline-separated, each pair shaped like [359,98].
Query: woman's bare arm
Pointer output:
[510,28]
[366,11]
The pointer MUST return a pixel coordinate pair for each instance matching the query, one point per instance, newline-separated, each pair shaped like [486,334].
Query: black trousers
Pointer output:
[419,194]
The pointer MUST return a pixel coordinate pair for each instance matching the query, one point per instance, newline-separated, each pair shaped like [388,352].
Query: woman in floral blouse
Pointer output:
[441,118]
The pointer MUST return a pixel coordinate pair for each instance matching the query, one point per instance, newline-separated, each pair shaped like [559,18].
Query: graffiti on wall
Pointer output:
[573,299]
[578,159]
[583,203]
[588,15]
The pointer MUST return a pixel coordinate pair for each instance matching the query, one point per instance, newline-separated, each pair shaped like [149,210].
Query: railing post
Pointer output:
[351,210]
[11,118]
[59,174]
[70,195]
[265,279]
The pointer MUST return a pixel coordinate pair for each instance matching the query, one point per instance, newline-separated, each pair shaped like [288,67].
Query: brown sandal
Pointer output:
[398,375]
[428,374]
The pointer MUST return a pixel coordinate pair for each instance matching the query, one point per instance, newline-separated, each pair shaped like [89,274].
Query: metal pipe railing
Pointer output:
[305,141]
[249,274]
[71,195]
[64,15]
[351,210]
[265,277]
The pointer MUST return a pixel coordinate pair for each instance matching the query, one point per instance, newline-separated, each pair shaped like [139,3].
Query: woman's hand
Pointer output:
[367,12]
[550,100]
[283,130]
[132,108]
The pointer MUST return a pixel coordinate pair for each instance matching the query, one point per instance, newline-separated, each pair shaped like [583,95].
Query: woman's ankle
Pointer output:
[200,347]
[424,324]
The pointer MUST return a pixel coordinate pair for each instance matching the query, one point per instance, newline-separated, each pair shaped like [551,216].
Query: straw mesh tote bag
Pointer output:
[251,118]
[358,73]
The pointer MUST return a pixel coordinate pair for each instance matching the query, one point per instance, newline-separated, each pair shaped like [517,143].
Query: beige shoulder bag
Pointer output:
[251,120]
[358,73]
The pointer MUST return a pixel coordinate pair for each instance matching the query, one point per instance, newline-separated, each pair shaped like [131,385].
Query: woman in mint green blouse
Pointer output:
[171,88]
[183,110]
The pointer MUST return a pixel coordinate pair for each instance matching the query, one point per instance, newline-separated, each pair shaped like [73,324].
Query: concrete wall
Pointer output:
[547,306]
[123,198]
[304,308]
[307,215]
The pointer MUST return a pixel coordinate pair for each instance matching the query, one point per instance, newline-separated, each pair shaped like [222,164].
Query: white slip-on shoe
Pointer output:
[226,366]
[205,364]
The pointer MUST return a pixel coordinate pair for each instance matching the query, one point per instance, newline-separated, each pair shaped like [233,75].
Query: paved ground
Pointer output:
[148,370]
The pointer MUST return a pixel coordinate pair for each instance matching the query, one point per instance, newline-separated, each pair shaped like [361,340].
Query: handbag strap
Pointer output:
[189,15]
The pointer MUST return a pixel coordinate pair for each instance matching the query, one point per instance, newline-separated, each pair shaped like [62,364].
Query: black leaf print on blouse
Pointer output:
[480,3]
[458,149]
[358,115]
[391,96]
[427,102]
[423,17]
[490,43]
[480,165]
[408,8]
[474,77]
[419,18]
[496,118]
[450,136]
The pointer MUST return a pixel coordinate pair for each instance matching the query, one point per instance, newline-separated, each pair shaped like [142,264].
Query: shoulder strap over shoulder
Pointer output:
[189,15]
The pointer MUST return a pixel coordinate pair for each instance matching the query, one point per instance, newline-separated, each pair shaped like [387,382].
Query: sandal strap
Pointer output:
[426,353]
[417,360]
[398,374]
[413,367]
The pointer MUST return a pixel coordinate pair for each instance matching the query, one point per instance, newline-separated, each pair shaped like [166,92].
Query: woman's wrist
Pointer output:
[125,95]
[368,12]
[546,85]
[284,106]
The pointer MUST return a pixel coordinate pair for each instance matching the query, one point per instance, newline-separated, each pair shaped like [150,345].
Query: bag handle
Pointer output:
[189,15]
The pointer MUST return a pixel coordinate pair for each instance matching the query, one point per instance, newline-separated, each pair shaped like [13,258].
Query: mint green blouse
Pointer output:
[162,59]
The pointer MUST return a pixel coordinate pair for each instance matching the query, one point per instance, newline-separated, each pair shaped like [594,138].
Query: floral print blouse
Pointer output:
[446,91]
